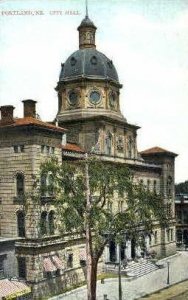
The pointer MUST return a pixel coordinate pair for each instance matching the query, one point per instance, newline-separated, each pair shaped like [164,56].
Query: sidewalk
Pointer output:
[139,287]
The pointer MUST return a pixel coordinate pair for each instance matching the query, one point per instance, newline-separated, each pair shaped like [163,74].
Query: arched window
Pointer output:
[129,147]
[50,185]
[47,185]
[108,142]
[148,185]
[20,185]
[169,186]
[155,187]
[21,223]
[51,222]
[43,184]
[43,223]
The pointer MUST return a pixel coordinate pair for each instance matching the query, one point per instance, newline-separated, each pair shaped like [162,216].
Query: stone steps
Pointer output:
[134,269]
[141,268]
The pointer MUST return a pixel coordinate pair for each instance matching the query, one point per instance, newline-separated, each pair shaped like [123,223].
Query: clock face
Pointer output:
[112,99]
[73,97]
[95,97]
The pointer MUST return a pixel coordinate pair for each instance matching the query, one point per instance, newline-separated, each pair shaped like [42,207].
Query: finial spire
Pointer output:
[86,8]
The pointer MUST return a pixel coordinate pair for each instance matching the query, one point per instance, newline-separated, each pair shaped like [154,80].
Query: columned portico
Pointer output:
[128,250]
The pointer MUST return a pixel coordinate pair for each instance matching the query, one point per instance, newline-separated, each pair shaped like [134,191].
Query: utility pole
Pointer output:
[119,274]
[87,227]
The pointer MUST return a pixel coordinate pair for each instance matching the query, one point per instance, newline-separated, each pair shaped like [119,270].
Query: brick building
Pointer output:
[88,93]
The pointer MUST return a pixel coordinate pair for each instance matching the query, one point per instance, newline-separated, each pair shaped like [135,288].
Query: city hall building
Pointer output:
[90,118]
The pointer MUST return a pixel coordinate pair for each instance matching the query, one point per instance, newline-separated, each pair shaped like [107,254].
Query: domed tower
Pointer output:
[88,93]
[88,82]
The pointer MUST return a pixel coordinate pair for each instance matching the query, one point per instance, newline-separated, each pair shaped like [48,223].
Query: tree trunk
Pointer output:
[92,279]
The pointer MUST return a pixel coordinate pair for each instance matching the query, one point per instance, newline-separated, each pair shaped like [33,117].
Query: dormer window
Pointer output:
[73,61]
[93,60]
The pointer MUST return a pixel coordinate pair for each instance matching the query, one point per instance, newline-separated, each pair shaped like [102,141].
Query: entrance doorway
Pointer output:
[112,249]
[133,250]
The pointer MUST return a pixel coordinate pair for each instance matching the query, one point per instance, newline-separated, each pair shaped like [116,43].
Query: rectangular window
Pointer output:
[22,149]
[16,149]
[171,234]
[52,150]
[168,235]
[70,260]
[21,267]
[121,206]
[42,148]
[109,205]
[155,237]
[47,149]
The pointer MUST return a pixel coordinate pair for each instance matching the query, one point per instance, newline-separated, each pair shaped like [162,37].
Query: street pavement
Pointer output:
[139,287]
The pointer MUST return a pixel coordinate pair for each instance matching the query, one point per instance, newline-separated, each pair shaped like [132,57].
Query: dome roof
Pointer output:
[88,63]
[86,22]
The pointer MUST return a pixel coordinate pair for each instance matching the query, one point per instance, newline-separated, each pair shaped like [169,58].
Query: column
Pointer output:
[128,249]
[107,254]
[147,243]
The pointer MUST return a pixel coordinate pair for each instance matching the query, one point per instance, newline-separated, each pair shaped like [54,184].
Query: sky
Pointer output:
[146,39]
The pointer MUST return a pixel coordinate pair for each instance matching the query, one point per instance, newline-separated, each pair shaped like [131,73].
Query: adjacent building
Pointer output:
[181,208]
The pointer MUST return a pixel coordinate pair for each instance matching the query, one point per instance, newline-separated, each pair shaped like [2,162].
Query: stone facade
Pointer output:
[24,145]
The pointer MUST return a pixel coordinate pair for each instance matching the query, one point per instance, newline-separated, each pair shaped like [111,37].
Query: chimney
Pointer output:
[7,114]
[29,108]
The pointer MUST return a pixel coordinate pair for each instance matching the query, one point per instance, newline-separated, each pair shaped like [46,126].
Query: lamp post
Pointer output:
[168,275]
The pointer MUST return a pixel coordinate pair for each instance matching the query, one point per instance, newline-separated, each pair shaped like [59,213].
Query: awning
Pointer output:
[48,265]
[57,262]
[82,254]
[11,289]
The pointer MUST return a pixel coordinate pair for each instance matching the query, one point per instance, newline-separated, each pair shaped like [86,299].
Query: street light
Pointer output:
[168,275]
